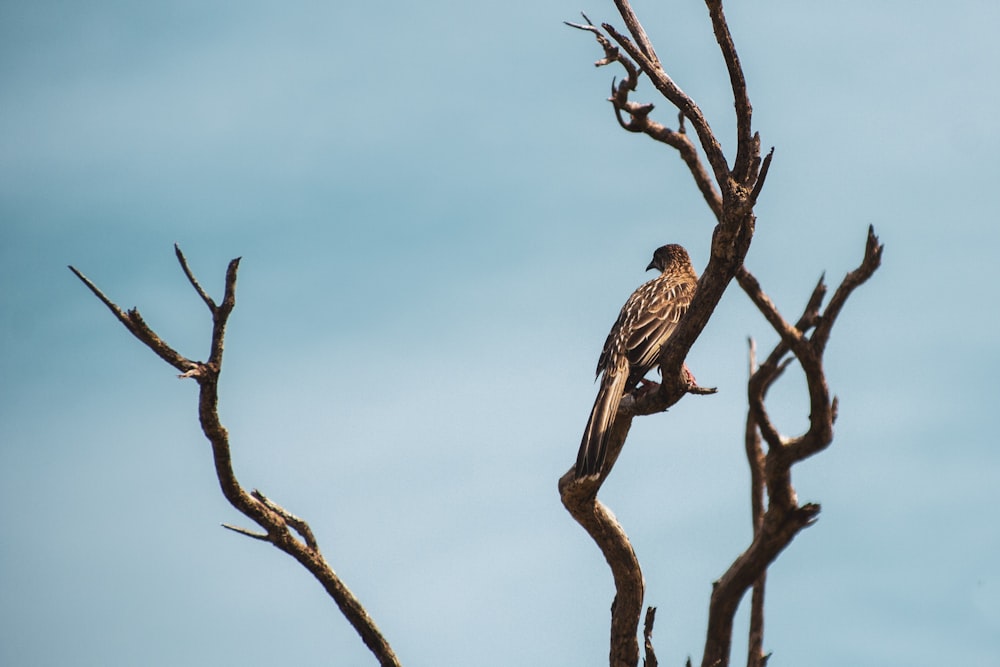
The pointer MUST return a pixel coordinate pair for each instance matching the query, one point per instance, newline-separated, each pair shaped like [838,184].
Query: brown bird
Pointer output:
[633,346]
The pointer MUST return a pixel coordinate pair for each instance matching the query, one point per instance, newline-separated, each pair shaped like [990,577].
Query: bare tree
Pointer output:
[280,527]
[731,193]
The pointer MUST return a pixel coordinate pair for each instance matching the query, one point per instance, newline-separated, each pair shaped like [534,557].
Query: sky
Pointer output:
[438,219]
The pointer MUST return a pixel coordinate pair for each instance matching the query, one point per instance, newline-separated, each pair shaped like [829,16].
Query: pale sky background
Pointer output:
[439,219]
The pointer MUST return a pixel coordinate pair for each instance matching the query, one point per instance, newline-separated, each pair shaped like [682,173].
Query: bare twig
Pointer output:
[194,281]
[246,531]
[275,520]
[137,326]
[869,264]
[762,174]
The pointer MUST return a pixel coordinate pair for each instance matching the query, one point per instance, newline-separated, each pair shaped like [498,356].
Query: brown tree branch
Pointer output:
[783,518]
[137,326]
[580,499]
[194,281]
[869,264]
[778,529]
[276,522]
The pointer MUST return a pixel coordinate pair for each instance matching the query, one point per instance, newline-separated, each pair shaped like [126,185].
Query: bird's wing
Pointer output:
[633,313]
[652,326]
[609,344]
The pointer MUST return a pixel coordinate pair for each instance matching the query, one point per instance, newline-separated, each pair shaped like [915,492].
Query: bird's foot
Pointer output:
[645,387]
[689,376]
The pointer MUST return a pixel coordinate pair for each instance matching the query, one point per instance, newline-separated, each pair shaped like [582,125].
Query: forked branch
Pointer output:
[775,528]
[277,523]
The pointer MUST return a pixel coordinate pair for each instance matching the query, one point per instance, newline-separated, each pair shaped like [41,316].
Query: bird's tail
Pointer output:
[594,445]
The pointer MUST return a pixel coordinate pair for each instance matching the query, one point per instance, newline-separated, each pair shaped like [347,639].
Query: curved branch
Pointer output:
[276,522]
[783,518]
[778,528]
[580,499]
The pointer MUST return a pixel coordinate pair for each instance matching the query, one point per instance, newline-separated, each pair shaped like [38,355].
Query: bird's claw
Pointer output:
[645,387]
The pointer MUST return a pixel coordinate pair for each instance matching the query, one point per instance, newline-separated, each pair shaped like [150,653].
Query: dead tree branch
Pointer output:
[731,192]
[581,501]
[784,518]
[277,523]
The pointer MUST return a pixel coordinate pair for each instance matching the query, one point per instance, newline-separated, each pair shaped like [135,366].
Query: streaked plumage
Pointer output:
[633,346]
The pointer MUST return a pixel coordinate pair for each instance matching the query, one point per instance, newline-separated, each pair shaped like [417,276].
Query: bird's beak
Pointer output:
[650,266]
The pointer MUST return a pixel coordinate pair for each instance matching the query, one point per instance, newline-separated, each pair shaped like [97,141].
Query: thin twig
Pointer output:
[869,264]
[194,281]
[137,326]
[247,532]
[758,185]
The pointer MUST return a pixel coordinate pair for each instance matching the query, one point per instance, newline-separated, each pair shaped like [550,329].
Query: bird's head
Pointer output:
[667,256]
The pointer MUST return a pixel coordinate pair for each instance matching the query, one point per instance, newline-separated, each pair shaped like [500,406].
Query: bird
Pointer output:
[633,346]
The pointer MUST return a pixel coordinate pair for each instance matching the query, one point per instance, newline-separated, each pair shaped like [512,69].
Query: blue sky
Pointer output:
[439,219]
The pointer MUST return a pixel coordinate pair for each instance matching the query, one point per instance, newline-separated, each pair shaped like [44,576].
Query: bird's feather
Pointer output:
[593,446]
